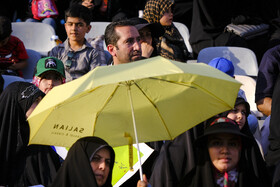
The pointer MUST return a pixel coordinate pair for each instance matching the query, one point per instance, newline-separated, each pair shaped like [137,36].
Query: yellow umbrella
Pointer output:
[163,98]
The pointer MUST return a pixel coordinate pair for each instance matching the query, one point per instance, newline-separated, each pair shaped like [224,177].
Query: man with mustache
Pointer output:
[123,42]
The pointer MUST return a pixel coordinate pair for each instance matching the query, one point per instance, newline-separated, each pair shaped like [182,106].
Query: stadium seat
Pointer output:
[8,79]
[35,36]
[249,87]
[243,59]
[33,57]
[97,29]
[184,31]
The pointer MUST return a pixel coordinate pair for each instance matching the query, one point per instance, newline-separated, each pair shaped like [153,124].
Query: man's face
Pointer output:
[76,28]
[128,46]
[49,80]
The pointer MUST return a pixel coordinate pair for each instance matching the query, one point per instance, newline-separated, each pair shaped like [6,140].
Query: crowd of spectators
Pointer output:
[138,30]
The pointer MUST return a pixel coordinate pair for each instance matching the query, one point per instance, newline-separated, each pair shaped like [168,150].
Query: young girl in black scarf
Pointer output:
[22,165]
[239,114]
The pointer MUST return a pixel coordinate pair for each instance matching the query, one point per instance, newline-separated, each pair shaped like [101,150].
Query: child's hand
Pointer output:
[147,49]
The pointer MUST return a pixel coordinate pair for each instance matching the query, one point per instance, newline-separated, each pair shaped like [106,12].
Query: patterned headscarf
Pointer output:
[154,10]
[171,45]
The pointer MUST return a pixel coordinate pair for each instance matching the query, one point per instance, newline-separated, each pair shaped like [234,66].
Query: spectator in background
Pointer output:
[123,42]
[227,67]
[171,45]
[112,10]
[14,9]
[211,17]
[97,7]
[148,32]
[78,56]
[49,73]
[266,79]
[13,55]
[43,11]
[183,12]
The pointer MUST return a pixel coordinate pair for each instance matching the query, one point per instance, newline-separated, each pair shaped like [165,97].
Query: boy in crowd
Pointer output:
[13,55]
[49,73]
[78,56]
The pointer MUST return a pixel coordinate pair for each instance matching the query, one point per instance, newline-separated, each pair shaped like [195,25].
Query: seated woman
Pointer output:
[221,157]
[89,162]
[20,164]
[171,45]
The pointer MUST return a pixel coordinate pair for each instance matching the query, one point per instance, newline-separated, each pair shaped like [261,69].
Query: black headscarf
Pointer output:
[76,169]
[253,153]
[15,101]
[176,159]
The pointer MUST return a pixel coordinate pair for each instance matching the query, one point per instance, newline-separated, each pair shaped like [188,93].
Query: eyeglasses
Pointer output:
[68,62]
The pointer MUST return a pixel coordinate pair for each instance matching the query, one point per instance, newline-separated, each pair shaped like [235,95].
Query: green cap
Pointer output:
[49,64]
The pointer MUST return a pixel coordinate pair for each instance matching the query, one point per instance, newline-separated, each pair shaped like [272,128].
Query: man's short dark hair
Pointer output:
[111,36]
[5,27]
[79,11]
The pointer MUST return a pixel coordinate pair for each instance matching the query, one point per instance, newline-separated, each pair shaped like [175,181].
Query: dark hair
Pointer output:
[5,27]
[111,36]
[79,11]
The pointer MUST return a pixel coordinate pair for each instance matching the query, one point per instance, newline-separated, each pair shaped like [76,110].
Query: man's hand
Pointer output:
[264,105]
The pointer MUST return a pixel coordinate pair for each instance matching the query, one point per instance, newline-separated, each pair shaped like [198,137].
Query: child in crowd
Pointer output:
[78,56]
[49,73]
[227,67]
[222,159]
[148,32]
[13,55]
[43,11]
[171,45]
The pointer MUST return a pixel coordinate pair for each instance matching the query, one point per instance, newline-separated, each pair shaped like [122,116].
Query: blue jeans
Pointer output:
[49,21]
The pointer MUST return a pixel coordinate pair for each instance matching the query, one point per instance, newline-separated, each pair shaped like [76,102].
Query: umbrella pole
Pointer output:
[135,132]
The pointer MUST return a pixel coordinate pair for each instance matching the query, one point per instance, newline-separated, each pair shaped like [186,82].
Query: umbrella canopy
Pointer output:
[168,98]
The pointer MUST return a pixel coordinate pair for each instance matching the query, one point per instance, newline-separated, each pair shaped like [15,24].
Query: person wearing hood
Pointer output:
[89,162]
[20,164]
[222,158]
[148,34]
